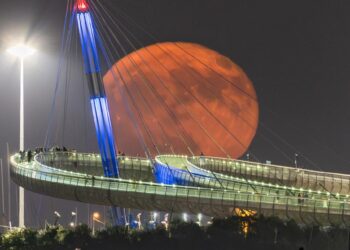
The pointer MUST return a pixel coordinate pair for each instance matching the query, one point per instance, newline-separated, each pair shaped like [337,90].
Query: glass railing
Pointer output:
[332,182]
[36,172]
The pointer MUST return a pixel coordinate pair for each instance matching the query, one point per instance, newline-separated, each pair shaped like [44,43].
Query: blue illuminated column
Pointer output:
[98,98]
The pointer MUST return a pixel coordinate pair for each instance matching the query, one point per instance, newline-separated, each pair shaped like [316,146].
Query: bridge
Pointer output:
[208,185]
[174,183]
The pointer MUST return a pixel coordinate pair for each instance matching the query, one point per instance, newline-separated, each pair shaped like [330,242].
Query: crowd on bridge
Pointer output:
[28,155]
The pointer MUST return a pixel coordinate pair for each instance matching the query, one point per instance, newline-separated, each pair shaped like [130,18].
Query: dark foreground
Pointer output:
[230,233]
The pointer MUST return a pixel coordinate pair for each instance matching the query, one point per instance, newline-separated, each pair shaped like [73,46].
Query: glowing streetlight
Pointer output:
[75,215]
[139,222]
[153,220]
[57,217]
[184,217]
[199,216]
[21,51]
[96,218]
[96,215]
[165,222]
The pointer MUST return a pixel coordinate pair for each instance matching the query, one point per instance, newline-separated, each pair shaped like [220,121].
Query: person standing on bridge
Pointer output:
[299,199]
[201,159]
[29,155]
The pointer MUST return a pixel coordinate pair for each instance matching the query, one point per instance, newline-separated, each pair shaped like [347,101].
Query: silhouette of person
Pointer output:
[299,199]
[201,159]
[29,155]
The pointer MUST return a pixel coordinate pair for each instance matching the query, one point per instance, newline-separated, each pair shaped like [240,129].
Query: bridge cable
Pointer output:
[187,111]
[141,117]
[187,169]
[66,25]
[126,103]
[155,91]
[151,89]
[156,58]
[153,37]
[130,20]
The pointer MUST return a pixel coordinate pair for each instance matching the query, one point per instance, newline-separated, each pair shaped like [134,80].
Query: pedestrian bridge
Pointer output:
[208,185]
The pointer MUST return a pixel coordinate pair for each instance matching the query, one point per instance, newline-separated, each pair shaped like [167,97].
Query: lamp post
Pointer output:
[57,217]
[75,215]
[139,222]
[21,51]
[165,222]
[96,217]
[199,216]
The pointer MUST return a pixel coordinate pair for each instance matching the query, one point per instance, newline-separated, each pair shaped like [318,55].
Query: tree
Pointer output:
[25,239]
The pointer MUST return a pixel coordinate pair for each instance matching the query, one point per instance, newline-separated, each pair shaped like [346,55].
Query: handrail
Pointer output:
[36,170]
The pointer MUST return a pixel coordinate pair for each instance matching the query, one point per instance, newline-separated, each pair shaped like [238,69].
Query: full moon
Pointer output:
[181,98]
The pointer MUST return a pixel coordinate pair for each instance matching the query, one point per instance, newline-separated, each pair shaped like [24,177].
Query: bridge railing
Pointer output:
[331,182]
[170,166]
[31,174]
[130,167]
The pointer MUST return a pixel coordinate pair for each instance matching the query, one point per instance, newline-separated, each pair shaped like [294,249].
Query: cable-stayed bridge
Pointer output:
[170,182]
[208,185]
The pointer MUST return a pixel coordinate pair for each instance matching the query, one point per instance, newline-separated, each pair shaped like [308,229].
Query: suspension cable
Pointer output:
[149,87]
[186,109]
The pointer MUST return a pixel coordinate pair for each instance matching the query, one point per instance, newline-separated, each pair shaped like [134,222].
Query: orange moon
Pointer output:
[181,98]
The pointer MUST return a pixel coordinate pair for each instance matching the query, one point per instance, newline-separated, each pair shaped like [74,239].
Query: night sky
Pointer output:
[295,52]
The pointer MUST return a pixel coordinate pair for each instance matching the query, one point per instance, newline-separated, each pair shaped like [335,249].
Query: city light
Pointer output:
[82,6]
[21,50]
[57,217]
[199,216]
[139,222]
[184,217]
[57,214]
[95,216]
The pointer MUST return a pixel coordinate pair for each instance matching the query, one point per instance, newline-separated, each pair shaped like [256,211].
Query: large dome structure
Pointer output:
[181,97]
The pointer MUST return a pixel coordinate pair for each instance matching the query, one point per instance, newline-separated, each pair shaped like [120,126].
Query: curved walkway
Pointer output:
[212,186]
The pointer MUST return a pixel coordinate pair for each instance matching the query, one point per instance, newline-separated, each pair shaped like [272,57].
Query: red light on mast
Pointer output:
[82,6]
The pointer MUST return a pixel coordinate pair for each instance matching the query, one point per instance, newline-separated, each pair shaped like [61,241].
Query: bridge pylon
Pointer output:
[98,100]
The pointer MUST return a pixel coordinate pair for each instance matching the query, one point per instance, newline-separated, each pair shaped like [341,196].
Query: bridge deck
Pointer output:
[214,186]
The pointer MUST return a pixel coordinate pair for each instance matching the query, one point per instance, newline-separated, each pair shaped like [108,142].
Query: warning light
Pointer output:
[82,6]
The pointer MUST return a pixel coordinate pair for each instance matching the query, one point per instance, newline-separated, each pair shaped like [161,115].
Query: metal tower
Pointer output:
[88,38]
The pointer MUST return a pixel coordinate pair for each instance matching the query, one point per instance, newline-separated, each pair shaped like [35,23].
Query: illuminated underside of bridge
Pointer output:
[212,186]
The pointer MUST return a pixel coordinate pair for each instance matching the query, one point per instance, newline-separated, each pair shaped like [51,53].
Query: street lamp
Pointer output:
[21,51]
[57,217]
[165,222]
[184,217]
[75,215]
[139,222]
[199,216]
[153,220]
[95,217]
[155,215]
